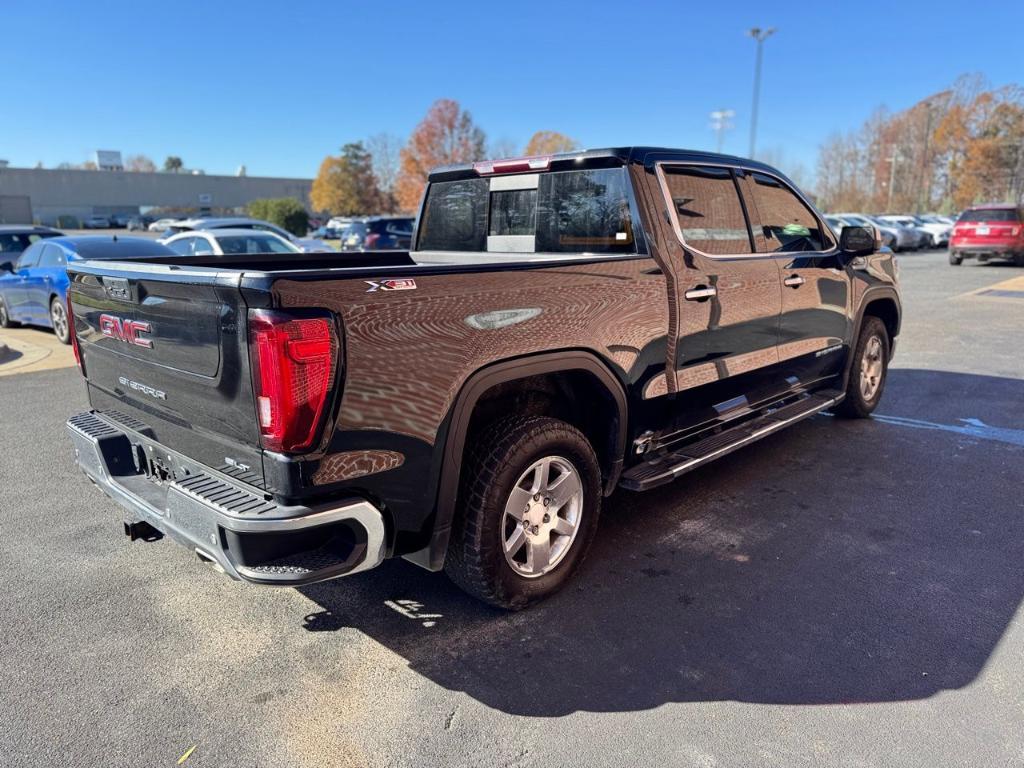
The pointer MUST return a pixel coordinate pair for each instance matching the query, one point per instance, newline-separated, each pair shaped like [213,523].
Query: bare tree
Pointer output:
[385,149]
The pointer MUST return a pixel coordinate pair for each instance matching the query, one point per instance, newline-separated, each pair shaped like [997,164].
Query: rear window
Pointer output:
[990,214]
[563,212]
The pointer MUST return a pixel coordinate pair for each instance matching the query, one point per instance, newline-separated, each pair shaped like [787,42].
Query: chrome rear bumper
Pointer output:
[230,526]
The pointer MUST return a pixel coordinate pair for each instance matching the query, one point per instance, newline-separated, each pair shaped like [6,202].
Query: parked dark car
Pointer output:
[564,326]
[16,238]
[378,233]
[34,289]
[984,232]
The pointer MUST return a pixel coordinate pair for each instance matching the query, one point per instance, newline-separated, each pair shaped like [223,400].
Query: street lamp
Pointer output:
[720,124]
[760,35]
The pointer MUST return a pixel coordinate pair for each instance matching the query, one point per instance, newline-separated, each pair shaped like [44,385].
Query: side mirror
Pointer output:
[6,266]
[859,241]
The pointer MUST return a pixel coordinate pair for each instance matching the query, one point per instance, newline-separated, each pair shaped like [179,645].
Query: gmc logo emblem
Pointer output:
[125,330]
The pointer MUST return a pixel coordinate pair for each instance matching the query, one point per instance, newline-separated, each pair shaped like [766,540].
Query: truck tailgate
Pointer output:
[166,347]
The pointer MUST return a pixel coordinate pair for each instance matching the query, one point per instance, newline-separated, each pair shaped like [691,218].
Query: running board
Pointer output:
[668,467]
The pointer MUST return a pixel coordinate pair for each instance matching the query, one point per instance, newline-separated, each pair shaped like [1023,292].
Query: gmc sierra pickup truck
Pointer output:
[562,326]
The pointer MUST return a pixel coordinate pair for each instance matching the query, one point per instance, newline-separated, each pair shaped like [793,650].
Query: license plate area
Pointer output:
[983,230]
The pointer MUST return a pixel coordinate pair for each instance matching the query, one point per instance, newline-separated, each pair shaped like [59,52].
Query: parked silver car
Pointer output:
[307,244]
[901,238]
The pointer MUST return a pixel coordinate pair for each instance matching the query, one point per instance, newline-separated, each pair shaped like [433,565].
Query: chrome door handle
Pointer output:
[793,281]
[700,293]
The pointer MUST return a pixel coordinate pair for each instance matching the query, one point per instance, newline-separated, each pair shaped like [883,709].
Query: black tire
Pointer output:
[59,320]
[5,317]
[955,258]
[858,405]
[498,459]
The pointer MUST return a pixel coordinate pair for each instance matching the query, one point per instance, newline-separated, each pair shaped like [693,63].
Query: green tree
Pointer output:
[173,164]
[346,184]
[286,212]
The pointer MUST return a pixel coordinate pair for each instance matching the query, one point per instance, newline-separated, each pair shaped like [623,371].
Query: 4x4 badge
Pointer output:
[404,284]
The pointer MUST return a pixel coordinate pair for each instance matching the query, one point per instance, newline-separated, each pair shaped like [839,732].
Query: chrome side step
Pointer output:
[669,466]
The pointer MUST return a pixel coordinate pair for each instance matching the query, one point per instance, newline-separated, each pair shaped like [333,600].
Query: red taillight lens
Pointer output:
[294,361]
[371,240]
[74,335]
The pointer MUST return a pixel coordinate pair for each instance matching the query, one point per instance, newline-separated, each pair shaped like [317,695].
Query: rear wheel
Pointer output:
[530,501]
[955,258]
[5,317]
[59,320]
[867,375]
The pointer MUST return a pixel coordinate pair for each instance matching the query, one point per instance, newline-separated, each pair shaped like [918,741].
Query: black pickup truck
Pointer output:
[563,326]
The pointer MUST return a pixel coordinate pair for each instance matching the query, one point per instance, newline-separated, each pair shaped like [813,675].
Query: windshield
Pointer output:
[254,243]
[990,214]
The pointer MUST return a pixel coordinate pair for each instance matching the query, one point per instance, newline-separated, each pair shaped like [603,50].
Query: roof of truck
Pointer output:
[603,158]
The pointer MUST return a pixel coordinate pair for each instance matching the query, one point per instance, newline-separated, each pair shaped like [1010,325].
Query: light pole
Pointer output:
[760,35]
[720,124]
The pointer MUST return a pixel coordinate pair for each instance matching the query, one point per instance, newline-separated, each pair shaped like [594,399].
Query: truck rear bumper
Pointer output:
[230,526]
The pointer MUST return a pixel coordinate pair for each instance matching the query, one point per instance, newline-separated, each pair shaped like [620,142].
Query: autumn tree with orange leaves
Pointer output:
[961,146]
[446,135]
[550,143]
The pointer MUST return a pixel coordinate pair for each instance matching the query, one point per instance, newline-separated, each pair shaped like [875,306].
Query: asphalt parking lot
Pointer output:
[845,593]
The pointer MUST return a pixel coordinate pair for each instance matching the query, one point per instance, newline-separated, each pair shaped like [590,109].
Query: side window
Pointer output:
[30,257]
[52,257]
[201,246]
[706,205]
[784,222]
[455,216]
[182,247]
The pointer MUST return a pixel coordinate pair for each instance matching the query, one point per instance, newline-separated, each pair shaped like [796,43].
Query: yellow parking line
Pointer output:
[31,350]
[1013,285]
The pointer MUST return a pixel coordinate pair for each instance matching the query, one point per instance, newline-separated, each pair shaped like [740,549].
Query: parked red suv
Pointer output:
[985,232]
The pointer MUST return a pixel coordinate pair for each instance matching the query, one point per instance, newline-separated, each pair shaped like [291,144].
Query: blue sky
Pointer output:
[277,86]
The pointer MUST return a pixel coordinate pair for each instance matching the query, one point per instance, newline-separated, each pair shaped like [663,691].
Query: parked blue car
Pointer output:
[34,290]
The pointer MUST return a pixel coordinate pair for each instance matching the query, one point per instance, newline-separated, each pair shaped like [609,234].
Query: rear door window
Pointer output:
[706,205]
[782,222]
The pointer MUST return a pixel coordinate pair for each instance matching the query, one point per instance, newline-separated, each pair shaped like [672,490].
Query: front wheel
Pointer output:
[529,504]
[867,375]
[59,321]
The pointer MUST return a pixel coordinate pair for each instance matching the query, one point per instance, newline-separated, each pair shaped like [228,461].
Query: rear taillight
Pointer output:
[294,362]
[371,240]
[74,335]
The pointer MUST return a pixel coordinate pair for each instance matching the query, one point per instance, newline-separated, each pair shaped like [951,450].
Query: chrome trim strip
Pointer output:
[671,208]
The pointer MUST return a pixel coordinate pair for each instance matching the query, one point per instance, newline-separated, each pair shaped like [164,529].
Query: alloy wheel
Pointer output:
[542,516]
[59,319]
[871,369]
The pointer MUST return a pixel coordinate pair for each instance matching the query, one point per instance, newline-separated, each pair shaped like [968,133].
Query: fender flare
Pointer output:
[870,295]
[433,555]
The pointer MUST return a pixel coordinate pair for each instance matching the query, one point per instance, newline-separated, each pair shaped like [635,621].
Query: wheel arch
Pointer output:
[460,416]
[884,303]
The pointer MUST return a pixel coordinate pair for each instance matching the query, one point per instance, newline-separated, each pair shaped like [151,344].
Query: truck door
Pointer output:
[815,325]
[729,295]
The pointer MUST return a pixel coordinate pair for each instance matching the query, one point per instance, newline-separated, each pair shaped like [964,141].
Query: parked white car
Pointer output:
[162,225]
[220,242]
[307,244]
[938,233]
[901,238]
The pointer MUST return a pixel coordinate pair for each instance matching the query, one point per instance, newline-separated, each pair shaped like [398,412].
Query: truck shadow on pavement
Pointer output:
[838,562]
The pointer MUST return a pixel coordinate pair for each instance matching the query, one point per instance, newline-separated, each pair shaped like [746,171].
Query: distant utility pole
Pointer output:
[720,124]
[760,35]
